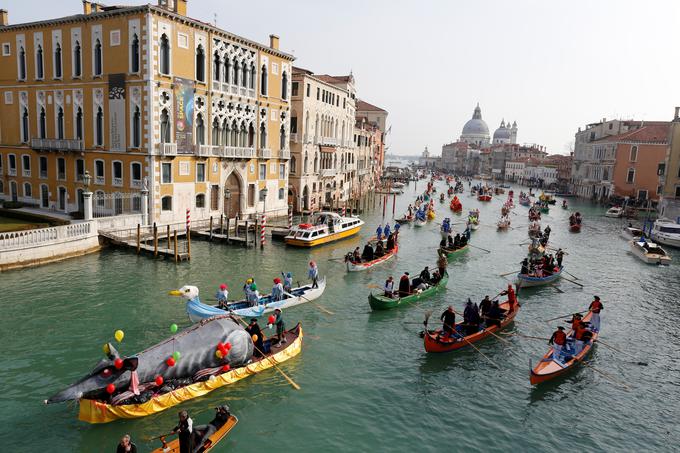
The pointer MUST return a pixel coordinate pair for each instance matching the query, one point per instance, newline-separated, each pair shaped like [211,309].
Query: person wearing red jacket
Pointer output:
[595,308]
[557,341]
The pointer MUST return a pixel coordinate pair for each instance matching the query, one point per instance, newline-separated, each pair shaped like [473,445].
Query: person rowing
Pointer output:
[425,275]
[494,316]
[222,296]
[389,287]
[471,318]
[387,230]
[379,249]
[277,290]
[525,267]
[558,341]
[390,240]
[595,308]
[449,321]
[404,285]
[485,307]
[379,232]
[287,281]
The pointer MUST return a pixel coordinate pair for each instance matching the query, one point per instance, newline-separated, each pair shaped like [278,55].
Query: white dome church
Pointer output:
[476,131]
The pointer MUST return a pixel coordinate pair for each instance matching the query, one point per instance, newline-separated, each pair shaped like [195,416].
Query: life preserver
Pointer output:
[305,226]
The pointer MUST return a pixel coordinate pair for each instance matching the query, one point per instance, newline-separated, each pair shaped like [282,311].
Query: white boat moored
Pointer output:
[666,232]
[615,211]
[649,252]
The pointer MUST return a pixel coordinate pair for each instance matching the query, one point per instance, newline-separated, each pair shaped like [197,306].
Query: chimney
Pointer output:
[181,7]
[274,42]
[87,7]
[4,22]
[4,18]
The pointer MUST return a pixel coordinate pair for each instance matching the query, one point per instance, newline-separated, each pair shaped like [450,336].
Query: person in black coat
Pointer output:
[185,429]
[253,329]
[404,285]
[449,321]
[367,254]
[126,445]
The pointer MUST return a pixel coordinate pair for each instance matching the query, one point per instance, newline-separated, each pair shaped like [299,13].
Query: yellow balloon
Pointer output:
[119,335]
[219,355]
[254,338]
[106,349]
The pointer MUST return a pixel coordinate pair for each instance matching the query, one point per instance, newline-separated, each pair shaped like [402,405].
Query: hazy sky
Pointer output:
[551,66]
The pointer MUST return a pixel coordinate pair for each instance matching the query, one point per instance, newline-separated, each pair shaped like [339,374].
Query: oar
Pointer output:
[149,439]
[575,277]
[566,316]
[608,376]
[622,352]
[427,316]
[555,287]
[488,331]
[508,273]
[290,381]
[572,281]
[311,302]
[336,259]
[485,250]
[527,336]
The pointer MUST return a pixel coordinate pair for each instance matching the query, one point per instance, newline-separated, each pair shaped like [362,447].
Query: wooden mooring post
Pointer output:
[139,234]
[168,236]
[176,255]
[228,221]
[222,225]
[155,240]
[247,234]
[211,228]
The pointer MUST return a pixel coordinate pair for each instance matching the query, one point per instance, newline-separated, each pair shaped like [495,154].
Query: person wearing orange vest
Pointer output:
[557,341]
[512,299]
[581,335]
[575,321]
[595,308]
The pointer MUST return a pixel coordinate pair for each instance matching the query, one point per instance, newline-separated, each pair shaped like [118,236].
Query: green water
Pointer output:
[367,383]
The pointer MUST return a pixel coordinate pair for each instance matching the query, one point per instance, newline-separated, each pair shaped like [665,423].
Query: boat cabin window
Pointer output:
[667,229]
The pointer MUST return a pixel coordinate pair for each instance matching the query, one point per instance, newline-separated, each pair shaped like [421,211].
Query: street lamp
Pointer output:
[227,196]
[87,179]
[263,197]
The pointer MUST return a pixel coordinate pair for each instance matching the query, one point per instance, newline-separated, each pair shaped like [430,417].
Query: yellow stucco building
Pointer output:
[143,97]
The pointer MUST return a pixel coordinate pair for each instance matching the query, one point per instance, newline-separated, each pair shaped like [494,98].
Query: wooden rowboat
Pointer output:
[213,439]
[455,252]
[381,302]
[405,219]
[100,411]
[355,267]
[483,197]
[548,368]
[575,227]
[435,342]
[525,281]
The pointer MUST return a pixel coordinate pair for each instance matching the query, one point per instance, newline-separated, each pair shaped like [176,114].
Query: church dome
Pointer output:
[502,133]
[476,126]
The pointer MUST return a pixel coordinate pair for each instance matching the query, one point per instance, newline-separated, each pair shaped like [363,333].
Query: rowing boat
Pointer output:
[382,302]
[575,227]
[538,250]
[212,440]
[548,368]
[526,281]
[355,267]
[436,342]
[101,411]
[405,219]
[419,222]
[483,197]
[454,252]
[198,311]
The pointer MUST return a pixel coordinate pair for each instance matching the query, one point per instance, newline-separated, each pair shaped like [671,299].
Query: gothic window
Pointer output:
[57,61]
[79,123]
[77,62]
[227,69]
[42,125]
[284,85]
[24,126]
[134,54]
[165,126]
[22,64]
[282,138]
[200,130]
[39,68]
[236,70]
[99,128]
[263,81]
[216,67]
[165,54]
[263,135]
[225,133]
[60,123]
[200,64]
[252,77]
[136,128]
[244,75]
[215,132]
[251,136]
[97,58]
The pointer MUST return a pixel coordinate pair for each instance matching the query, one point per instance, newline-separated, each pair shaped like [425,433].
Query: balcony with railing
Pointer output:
[167,149]
[328,172]
[56,144]
[26,173]
[264,153]
[99,180]
[12,171]
[118,182]
[136,183]
[331,141]
[284,154]
[238,152]
[203,150]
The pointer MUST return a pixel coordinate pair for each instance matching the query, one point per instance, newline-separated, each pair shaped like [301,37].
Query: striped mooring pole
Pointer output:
[188,220]
[290,216]
[263,223]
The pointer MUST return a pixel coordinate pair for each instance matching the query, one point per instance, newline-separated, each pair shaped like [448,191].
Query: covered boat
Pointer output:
[649,252]
[356,267]
[632,233]
[104,411]
[525,280]
[208,444]
[197,310]
[615,212]
[548,368]
[436,341]
[382,302]
[325,227]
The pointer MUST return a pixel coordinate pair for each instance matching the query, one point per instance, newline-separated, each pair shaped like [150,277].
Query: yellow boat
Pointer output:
[97,411]
[325,227]
[430,215]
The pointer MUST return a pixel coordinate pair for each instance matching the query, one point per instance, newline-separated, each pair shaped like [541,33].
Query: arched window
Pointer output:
[200,64]
[60,123]
[284,85]
[22,64]
[215,132]
[136,128]
[244,136]
[77,62]
[99,127]
[79,123]
[236,69]
[293,165]
[28,190]
[24,126]
[252,76]
[216,67]
[42,124]
[263,81]
[39,68]
[316,163]
[244,75]
[263,135]
[251,135]
[165,126]
[57,61]
[305,166]
[97,58]
[225,133]
[166,203]
[200,130]
[233,134]
[200,200]
[306,124]
[227,69]
[165,54]
[134,54]
[282,138]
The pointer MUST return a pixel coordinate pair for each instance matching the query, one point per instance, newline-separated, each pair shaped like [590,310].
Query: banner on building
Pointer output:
[117,112]
[184,115]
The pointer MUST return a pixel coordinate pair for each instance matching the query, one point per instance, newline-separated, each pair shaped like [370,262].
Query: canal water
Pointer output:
[366,382]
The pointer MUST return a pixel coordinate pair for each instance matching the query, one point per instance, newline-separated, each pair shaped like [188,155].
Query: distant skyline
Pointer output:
[550,66]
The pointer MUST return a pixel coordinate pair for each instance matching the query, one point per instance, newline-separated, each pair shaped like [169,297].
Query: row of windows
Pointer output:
[166,172]
[99,169]
[199,201]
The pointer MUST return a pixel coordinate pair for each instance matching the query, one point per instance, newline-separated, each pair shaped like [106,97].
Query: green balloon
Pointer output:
[176,355]
[173,328]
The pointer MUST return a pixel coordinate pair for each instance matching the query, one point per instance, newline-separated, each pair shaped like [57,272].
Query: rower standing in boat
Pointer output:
[379,232]
[379,250]
[367,254]
[463,241]
[390,241]
[185,428]
[471,318]
[222,296]
[389,287]
[558,340]
[126,445]
[256,335]
[525,267]
[485,307]
[313,273]
[595,308]
[280,326]
[287,281]
[512,299]
[277,290]
[581,336]
[449,321]
[425,275]
[546,231]
[494,316]
[559,256]
[442,262]
[387,230]
[404,285]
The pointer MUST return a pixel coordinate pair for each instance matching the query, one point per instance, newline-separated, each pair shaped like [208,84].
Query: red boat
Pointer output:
[435,342]
[483,197]
[456,205]
[575,227]
[548,369]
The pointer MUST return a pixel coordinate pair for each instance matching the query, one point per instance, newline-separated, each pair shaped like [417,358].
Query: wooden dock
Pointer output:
[172,243]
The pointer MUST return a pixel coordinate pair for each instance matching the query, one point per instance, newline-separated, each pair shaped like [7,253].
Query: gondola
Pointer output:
[405,219]
[212,440]
[435,342]
[525,281]
[548,368]
[355,267]
[382,302]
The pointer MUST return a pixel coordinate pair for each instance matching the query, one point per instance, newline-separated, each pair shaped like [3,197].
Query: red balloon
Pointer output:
[220,345]
[159,380]
[271,319]
[226,367]
[170,361]
[118,363]
[228,346]
[110,388]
